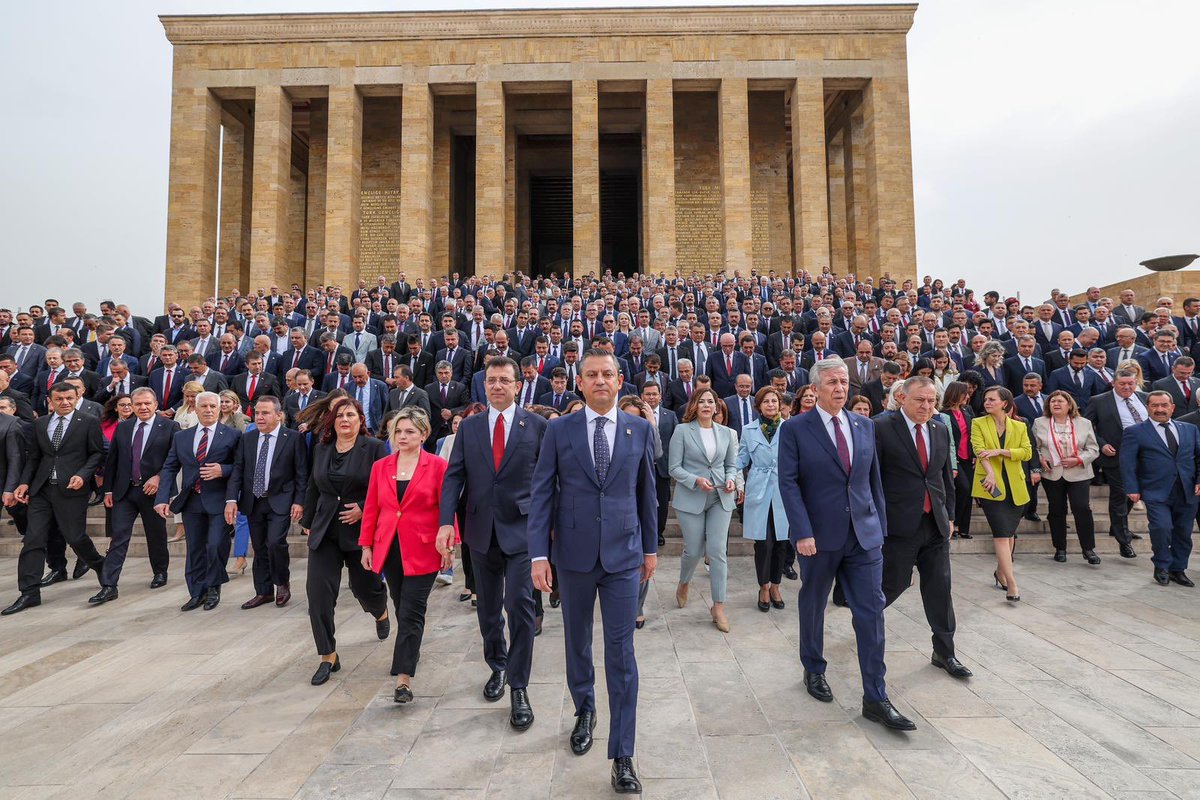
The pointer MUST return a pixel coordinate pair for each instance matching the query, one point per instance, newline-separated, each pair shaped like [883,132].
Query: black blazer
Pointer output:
[1183,404]
[1106,421]
[288,480]
[118,467]
[81,452]
[267,385]
[12,452]
[969,415]
[104,395]
[291,404]
[322,503]
[905,483]
[875,392]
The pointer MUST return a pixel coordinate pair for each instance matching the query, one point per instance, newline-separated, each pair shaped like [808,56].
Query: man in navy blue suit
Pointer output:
[491,467]
[205,455]
[1157,362]
[1160,463]
[829,480]
[1076,380]
[594,484]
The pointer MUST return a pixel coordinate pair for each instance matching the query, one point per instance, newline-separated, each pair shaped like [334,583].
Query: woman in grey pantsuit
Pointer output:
[703,462]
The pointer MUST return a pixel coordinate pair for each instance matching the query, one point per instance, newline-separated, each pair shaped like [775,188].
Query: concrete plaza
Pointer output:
[1090,687]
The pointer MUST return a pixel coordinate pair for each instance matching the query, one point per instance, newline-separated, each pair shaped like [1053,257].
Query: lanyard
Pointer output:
[1057,448]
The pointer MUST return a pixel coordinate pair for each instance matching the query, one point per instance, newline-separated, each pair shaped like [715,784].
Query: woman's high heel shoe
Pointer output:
[1013,598]
[999,585]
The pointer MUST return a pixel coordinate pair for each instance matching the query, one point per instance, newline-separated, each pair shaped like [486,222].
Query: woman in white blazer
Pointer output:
[764,519]
[1067,446]
[703,462]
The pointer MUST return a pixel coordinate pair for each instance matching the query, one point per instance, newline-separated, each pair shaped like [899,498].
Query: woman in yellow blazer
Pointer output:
[1001,445]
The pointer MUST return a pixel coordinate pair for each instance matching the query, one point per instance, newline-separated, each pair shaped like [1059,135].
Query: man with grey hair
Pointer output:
[447,397]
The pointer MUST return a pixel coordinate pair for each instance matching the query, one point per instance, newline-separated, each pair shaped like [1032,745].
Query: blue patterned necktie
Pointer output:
[600,450]
[260,468]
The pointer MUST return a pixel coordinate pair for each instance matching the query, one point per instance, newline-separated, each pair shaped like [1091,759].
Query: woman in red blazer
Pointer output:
[398,534]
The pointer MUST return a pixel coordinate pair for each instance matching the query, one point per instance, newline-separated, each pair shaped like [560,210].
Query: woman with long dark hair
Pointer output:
[1002,447]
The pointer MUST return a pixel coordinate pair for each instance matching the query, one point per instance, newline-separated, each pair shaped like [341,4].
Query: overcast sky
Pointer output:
[1054,141]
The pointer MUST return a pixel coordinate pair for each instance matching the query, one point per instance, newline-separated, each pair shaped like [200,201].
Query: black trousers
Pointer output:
[928,551]
[1032,488]
[662,488]
[1058,493]
[410,596]
[1118,505]
[268,534]
[324,582]
[56,548]
[135,505]
[964,504]
[770,554]
[468,568]
[53,506]
[20,517]
[504,585]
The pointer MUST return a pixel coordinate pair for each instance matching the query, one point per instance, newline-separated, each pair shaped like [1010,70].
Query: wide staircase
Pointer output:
[1034,537]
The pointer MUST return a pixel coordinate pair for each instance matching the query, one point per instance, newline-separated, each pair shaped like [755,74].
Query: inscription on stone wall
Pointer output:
[760,228]
[379,234]
[699,228]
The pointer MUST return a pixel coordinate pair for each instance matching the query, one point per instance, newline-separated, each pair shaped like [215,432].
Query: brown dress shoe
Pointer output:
[282,595]
[258,600]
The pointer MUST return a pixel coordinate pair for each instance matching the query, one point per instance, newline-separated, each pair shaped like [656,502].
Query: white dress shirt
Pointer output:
[270,444]
[1123,409]
[610,430]
[493,414]
[1162,434]
[827,421]
[54,424]
[212,431]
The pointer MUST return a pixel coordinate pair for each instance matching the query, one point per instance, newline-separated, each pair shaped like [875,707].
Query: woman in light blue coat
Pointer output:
[703,462]
[764,519]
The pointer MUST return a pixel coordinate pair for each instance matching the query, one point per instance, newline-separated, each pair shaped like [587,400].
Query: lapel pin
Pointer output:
[629,431]
[521,424]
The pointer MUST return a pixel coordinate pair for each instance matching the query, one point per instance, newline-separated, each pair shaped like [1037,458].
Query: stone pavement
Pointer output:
[1090,687]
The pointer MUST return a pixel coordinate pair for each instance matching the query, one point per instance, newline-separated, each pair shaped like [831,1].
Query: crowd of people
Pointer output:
[536,433]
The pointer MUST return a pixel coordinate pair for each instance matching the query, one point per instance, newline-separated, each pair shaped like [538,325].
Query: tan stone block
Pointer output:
[889,178]
[343,187]
[318,149]
[659,170]
[237,164]
[192,199]
[809,177]
[441,193]
[835,166]
[272,188]
[490,168]
[416,181]
[585,178]
[735,175]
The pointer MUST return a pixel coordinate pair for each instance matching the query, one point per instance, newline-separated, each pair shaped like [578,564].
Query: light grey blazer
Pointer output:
[1085,440]
[688,461]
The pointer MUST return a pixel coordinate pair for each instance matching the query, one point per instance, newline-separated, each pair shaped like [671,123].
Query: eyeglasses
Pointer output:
[499,381]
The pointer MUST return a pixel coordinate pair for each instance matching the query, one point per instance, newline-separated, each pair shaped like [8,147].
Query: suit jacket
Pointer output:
[905,482]
[1064,379]
[311,359]
[676,398]
[1114,354]
[1026,409]
[456,400]
[611,524]
[1149,469]
[667,425]
[722,379]
[322,500]
[35,359]
[547,399]
[874,369]
[776,346]
[823,502]
[1014,368]
[41,388]
[222,449]
[1128,316]
[496,500]
[734,404]
[377,392]
[414,519]
[91,381]
[1055,360]
[877,394]
[156,444]
[366,344]
[233,364]
[1152,365]
[287,481]
[374,362]
[80,453]
[1183,403]
[416,397]
[810,357]
[179,377]
[13,452]
[688,461]
[134,382]
[1106,421]
[213,380]
[1047,343]
[268,386]
[460,363]
[540,387]
[422,368]
[845,346]
[291,404]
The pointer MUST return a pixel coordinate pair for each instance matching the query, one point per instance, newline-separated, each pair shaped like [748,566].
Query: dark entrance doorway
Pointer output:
[550,233]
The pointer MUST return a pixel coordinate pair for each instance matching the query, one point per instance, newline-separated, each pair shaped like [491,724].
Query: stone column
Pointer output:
[490,171]
[343,186]
[858,242]
[810,186]
[318,143]
[272,187]
[237,183]
[441,194]
[659,171]
[416,180]
[585,178]
[192,199]
[735,176]
[889,179]
[836,167]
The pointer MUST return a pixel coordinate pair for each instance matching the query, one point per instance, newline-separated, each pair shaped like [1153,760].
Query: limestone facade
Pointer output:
[328,148]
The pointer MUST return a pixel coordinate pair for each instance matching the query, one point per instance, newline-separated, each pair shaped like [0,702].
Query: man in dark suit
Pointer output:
[1126,348]
[73,359]
[679,392]
[204,455]
[532,385]
[119,382]
[270,477]
[724,366]
[1031,402]
[29,356]
[918,485]
[491,467]
[1045,329]
[829,480]
[1110,414]
[1057,357]
[254,383]
[666,422]
[167,381]
[1181,386]
[135,457]
[301,398]
[15,440]
[408,394]
[447,397]
[371,394]
[1156,363]
[420,362]
[228,360]
[1024,362]
[383,360]
[877,390]
[210,379]
[68,450]
[303,356]
[459,357]
[1076,380]
[594,485]
[1160,463]
[741,405]
[559,396]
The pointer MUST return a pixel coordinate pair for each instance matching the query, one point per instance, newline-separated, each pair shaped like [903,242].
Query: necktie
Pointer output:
[443,395]
[224,361]
[746,412]
[260,468]
[729,366]
[557,399]
[1028,366]
[674,371]
[541,364]
[843,449]
[295,359]
[529,393]
[1166,363]
[1133,412]
[862,371]
[167,386]
[51,379]
[138,441]
[151,364]
[303,401]
[21,356]
[600,450]
[687,389]
[329,363]
[253,387]
[478,334]
[357,340]
[58,432]
[1079,378]
[201,454]
[1187,392]
[1172,442]
[498,442]
[923,457]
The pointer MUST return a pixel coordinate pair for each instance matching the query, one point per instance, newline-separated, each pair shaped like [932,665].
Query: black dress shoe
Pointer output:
[537,625]
[1135,536]
[212,599]
[883,712]
[581,736]
[105,594]
[624,779]
[1127,551]
[493,690]
[403,694]
[817,687]
[555,600]
[662,540]
[1180,577]
[1060,555]
[80,570]
[23,602]
[193,603]
[159,580]
[952,665]
[1161,577]
[790,574]
[324,670]
[383,628]
[53,576]
[1091,557]
[521,716]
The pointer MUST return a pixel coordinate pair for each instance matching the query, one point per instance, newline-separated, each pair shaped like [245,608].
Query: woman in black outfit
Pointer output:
[337,491]
[956,406]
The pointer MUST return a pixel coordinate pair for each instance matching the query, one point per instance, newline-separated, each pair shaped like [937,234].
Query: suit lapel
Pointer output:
[579,447]
[621,444]
[817,431]
[900,429]
[419,472]
[514,436]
